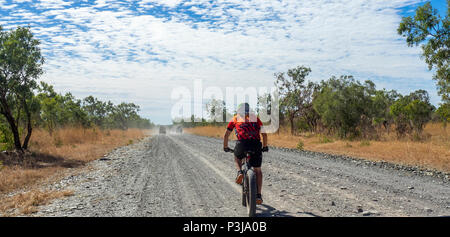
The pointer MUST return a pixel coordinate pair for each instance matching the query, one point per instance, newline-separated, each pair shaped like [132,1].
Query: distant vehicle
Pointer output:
[179,130]
[162,130]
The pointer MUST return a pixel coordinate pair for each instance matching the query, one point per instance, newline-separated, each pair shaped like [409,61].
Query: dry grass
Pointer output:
[16,177]
[52,155]
[433,152]
[28,202]
[82,144]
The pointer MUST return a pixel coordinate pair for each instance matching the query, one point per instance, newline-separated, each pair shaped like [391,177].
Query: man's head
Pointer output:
[244,113]
[243,109]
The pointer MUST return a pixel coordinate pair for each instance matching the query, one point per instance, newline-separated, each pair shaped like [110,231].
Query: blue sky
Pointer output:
[138,51]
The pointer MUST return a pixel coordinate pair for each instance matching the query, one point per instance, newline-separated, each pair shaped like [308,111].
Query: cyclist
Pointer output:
[247,127]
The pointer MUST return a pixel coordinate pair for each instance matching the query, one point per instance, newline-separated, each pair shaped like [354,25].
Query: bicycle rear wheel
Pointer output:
[244,191]
[251,193]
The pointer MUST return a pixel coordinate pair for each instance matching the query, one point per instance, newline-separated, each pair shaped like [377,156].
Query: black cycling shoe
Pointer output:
[259,200]
[239,177]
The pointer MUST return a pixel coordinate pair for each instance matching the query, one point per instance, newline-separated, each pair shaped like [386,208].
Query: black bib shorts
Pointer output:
[249,145]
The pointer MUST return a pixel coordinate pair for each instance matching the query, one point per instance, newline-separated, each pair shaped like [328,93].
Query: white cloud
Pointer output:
[55,4]
[168,3]
[142,57]
[7,7]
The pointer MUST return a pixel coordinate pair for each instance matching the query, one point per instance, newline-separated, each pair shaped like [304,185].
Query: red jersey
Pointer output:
[248,128]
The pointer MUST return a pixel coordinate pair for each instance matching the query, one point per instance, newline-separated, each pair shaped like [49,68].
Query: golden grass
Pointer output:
[28,202]
[82,144]
[16,177]
[52,155]
[433,152]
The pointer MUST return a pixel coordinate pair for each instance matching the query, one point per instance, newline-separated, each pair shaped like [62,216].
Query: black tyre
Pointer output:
[251,201]
[244,192]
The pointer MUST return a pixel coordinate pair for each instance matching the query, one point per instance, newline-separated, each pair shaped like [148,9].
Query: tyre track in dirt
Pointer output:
[188,175]
[296,184]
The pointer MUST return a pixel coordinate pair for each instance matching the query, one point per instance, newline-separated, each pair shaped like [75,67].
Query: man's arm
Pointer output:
[264,137]
[225,138]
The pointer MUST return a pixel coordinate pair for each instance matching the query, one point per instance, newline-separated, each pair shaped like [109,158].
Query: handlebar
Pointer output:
[232,150]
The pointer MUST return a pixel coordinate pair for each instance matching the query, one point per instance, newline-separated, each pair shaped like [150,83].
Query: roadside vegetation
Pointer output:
[344,116]
[347,116]
[43,132]
[434,152]
[26,104]
[51,157]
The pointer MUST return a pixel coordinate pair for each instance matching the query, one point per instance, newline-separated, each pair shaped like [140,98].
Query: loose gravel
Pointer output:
[188,175]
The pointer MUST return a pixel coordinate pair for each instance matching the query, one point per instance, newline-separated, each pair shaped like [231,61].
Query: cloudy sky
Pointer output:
[138,51]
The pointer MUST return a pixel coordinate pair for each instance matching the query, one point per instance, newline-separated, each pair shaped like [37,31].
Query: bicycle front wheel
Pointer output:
[251,194]
[244,191]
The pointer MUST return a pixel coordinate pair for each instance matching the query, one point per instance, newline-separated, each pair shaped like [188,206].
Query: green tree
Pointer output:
[122,114]
[400,115]
[97,110]
[443,113]
[382,101]
[345,105]
[264,103]
[73,111]
[264,107]
[432,32]
[412,112]
[6,137]
[216,110]
[49,101]
[60,110]
[20,66]
[295,93]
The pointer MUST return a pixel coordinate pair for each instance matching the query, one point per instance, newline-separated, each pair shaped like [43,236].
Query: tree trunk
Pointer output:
[291,120]
[7,113]
[29,128]
[27,138]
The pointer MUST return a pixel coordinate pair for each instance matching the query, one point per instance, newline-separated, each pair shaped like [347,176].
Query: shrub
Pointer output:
[443,114]
[6,138]
[324,139]
[58,141]
[300,145]
[341,102]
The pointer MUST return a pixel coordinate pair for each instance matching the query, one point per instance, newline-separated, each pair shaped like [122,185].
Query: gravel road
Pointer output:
[187,175]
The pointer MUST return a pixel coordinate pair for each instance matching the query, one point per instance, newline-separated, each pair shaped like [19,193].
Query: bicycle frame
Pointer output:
[248,199]
[249,185]
[245,162]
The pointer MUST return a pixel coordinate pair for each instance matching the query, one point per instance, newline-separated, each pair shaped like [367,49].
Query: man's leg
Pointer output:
[238,152]
[259,179]
[240,175]
[238,163]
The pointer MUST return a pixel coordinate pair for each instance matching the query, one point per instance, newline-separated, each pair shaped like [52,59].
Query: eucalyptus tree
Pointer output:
[412,112]
[20,66]
[122,114]
[97,110]
[295,93]
[432,31]
[345,105]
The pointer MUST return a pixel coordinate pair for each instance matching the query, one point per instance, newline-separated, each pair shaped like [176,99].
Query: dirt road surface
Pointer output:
[187,175]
